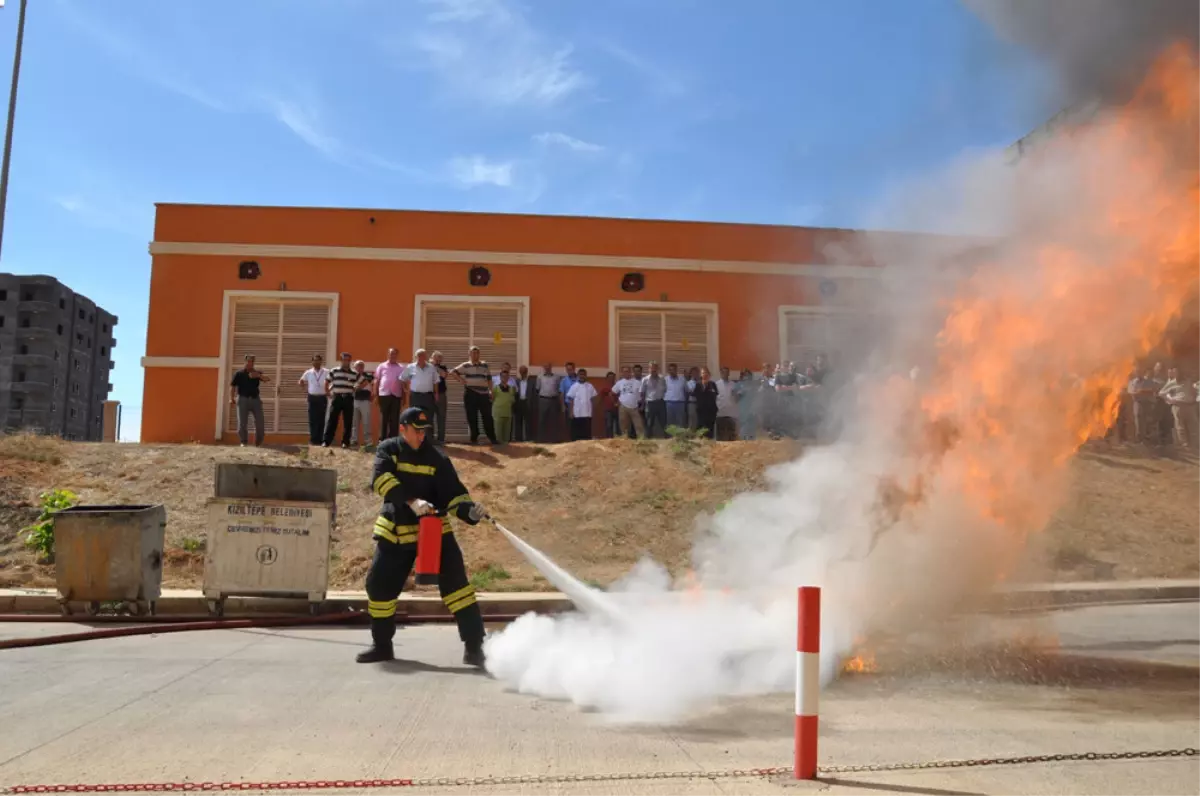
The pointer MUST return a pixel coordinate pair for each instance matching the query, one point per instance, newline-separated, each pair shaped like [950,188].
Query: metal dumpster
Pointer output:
[267,548]
[269,533]
[109,554]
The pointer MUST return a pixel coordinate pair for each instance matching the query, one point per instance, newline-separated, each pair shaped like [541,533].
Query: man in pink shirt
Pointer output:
[389,392]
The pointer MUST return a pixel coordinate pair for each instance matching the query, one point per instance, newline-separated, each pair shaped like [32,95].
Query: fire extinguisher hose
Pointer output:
[153,626]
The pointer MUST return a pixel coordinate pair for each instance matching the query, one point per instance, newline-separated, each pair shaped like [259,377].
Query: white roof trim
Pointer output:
[181,362]
[258,250]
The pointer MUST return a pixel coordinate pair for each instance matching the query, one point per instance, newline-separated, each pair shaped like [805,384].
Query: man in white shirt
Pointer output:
[727,408]
[314,380]
[1179,397]
[629,397]
[676,397]
[421,380]
[581,396]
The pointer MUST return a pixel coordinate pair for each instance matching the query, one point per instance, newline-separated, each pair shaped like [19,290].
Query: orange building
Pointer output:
[284,283]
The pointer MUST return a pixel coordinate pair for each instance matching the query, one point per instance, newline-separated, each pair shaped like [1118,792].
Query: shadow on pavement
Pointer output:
[402,666]
[859,785]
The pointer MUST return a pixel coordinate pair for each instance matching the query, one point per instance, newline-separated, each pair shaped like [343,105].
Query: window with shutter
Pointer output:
[283,336]
[453,328]
[665,336]
[841,336]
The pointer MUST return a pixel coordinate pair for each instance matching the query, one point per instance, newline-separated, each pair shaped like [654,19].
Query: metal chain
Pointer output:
[1014,761]
[542,779]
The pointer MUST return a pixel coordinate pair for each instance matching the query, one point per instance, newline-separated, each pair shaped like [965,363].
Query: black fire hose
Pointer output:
[149,626]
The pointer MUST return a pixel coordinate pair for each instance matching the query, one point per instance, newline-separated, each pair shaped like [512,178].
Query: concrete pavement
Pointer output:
[427,602]
[290,704]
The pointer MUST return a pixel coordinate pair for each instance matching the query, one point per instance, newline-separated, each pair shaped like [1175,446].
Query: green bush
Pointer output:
[40,535]
[685,440]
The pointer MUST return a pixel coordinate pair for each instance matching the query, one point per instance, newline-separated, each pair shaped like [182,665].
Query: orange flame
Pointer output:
[1022,378]
[863,663]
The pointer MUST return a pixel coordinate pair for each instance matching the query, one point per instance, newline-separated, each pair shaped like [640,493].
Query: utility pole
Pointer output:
[12,111]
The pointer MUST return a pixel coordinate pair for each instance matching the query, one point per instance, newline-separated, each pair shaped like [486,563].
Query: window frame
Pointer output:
[712,309]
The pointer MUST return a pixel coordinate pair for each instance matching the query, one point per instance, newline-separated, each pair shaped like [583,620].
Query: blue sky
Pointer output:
[783,111]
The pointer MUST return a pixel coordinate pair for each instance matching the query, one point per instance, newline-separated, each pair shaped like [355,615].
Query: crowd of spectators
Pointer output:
[506,405]
[1159,407]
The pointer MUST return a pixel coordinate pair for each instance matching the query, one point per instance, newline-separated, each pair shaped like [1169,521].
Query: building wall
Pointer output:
[55,358]
[377,267]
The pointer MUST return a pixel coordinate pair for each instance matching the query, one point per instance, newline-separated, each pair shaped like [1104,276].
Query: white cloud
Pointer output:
[137,58]
[474,170]
[303,120]
[484,50]
[111,212]
[660,78]
[467,10]
[564,140]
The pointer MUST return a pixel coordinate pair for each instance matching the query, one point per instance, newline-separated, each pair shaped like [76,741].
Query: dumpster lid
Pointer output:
[127,508]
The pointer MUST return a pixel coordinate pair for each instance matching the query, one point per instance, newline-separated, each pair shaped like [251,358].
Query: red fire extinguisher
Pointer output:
[429,550]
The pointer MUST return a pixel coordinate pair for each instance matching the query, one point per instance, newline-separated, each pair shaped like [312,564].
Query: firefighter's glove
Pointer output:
[471,513]
[421,507]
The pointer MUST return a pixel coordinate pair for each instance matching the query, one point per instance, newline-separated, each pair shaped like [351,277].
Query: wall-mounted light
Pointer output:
[633,282]
[479,276]
[248,269]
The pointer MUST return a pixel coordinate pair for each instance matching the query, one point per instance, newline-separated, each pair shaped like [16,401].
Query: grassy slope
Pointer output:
[595,507]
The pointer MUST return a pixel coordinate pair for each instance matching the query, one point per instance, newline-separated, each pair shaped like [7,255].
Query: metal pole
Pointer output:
[12,111]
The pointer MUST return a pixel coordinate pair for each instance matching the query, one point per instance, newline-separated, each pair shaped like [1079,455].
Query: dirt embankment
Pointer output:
[596,507]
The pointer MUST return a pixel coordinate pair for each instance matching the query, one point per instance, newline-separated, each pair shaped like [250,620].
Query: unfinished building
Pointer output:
[55,358]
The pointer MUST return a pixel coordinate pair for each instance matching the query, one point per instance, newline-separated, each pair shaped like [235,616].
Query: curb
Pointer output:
[1024,598]
[176,602]
[45,601]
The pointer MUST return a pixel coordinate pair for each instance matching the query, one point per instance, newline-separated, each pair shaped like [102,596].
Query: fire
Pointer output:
[860,664]
[1031,361]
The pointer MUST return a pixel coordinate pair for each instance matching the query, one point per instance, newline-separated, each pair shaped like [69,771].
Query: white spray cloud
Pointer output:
[930,491]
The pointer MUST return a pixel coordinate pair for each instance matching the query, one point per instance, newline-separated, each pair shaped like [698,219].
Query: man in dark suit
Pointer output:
[524,416]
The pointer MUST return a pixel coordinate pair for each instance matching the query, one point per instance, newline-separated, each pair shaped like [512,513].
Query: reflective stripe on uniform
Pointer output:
[463,498]
[419,469]
[382,609]
[458,600]
[384,483]
[397,534]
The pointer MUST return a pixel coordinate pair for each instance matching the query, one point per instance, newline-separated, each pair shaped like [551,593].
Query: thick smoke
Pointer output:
[1097,48]
[993,360]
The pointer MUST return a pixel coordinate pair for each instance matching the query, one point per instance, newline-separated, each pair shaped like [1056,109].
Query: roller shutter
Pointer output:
[453,328]
[842,336]
[283,336]
[666,336]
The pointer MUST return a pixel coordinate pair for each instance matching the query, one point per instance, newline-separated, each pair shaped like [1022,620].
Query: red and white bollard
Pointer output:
[808,679]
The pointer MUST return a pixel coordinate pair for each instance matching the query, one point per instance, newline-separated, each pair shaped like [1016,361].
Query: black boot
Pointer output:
[376,654]
[383,630]
[473,655]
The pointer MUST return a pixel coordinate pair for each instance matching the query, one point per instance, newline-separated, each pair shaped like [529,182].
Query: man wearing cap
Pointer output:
[340,386]
[415,479]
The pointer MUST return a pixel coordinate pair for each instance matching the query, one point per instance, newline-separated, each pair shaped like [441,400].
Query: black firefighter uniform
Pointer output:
[402,475]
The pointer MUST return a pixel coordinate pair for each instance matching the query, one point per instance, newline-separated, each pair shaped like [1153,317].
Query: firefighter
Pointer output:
[414,479]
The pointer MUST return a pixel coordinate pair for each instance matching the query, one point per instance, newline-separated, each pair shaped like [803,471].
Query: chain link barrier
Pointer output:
[556,779]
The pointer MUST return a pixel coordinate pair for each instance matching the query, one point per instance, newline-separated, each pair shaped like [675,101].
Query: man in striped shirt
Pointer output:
[339,385]
[477,397]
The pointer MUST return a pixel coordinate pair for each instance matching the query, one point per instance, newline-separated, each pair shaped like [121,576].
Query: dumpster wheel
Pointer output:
[141,607]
